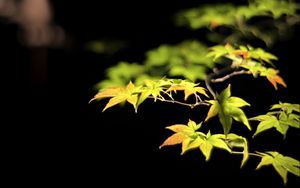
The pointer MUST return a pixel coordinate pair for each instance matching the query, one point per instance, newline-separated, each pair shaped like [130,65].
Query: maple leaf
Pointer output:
[152,88]
[219,51]
[282,164]
[189,88]
[228,108]
[127,93]
[210,141]
[184,134]
[286,107]
[274,78]
[240,142]
[281,120]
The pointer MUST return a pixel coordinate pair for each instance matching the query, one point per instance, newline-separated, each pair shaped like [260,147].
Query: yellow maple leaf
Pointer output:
[189,88]
[174,139]
[127,93]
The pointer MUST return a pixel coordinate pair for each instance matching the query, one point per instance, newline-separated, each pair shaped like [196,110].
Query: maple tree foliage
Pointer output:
[195,64]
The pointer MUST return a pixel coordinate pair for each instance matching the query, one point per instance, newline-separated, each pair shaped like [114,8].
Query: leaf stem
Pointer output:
[242,153]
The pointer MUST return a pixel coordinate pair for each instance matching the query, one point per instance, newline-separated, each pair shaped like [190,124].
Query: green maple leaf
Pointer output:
[152,88]
[281,120]
[183,134]
[288,107]
[282,164]
[210,141]
[228,108]
[240,142]
[219,51]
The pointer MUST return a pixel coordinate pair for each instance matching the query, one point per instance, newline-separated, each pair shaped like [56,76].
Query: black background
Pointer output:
[57,138]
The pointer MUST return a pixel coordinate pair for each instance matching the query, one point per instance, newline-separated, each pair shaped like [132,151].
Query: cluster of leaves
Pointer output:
[184,60]
[257,61]
[190,138]
[158,90]
[283,116]
[238,18]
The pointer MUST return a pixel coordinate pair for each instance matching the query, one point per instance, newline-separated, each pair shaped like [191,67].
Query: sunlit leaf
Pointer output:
[288,107]
[119,95]
[206,148]
[176,138]
[238,115]
[280,170]
[265,160]
[217,141]
[177,128]
[261,117]
[226,120]
[266,124]
[282,128]
[245,153]
[290,164]
[213,110]
[237,102]
[114,101]
[185,145]
[281,120]
[189,88]
[240,142]
[225,94]
[193,125]
[189,144]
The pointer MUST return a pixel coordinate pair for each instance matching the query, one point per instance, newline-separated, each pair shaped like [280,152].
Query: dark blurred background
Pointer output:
[57,138]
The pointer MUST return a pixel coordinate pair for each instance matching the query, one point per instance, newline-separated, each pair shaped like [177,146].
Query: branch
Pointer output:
[207,84]
[210,77]
[230,75]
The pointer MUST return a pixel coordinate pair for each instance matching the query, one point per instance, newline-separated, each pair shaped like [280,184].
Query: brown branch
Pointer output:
[210,77]
[229,76]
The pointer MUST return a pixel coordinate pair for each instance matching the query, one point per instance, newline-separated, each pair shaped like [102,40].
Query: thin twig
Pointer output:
[230,75]
[182,103]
